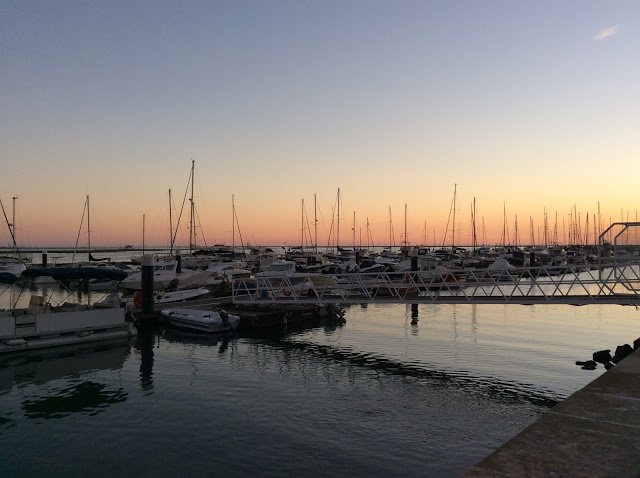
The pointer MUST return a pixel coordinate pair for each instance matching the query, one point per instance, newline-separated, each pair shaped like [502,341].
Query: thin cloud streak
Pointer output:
[606,32]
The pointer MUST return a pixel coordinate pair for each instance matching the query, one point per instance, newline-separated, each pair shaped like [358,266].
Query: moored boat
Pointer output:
[165,272]
[41,325]
[202,320]
[11,270]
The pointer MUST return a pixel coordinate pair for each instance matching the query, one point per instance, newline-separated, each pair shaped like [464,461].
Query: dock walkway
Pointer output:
[595,432]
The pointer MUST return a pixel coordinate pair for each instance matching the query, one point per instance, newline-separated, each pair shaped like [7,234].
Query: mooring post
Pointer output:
[178,262]
[146,299]
[44,259]
[413,253]
[414,259]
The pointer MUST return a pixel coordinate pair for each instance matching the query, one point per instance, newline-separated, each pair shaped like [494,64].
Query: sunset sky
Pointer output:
[526,106]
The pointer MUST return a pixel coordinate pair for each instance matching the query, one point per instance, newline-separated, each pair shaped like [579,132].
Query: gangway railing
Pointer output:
[613,280]
[619,251]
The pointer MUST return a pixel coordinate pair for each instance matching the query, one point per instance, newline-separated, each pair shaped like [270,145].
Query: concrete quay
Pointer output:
[593,433]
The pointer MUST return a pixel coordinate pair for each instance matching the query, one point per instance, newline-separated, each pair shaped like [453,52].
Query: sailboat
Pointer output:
[90,256]
[169,271]
[405,248]
[87,272]
[11,268]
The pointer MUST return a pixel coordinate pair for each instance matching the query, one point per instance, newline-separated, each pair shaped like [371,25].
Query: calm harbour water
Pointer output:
[375,396]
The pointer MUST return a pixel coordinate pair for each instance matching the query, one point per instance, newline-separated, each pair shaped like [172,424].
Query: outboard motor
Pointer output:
[225,317]
[173,284]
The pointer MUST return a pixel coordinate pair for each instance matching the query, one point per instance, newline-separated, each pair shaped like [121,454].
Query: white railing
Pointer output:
[613,280]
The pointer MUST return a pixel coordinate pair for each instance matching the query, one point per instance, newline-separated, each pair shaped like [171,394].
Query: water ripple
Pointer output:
[84,397]
[489,386]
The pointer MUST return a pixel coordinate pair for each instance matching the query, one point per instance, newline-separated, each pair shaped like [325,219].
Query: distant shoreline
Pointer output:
[70,250]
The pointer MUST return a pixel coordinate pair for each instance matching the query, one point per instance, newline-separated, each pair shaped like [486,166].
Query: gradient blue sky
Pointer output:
[530,104]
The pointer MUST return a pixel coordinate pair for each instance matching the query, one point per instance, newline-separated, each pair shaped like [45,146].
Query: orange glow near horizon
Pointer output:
[280,224]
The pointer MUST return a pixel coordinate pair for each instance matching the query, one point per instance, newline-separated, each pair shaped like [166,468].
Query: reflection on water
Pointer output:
[38,367]
[145,342]
[474,321]
[491,387]
[83,397]
[52,383]
[183,336]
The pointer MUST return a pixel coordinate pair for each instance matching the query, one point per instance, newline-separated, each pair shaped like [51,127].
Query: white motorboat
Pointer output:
[179,295]
[203,320]
[11,269]
[228,271]
[165,272]
[166,298]
[279,268]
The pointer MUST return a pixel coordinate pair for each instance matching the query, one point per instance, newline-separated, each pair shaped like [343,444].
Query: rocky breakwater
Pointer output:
[605,358]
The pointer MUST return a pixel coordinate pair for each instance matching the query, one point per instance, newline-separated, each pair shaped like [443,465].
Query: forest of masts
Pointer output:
[571,229]
[575,229]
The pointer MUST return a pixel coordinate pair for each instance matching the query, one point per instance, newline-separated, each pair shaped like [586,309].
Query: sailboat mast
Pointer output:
[302,226]
[599,222]
[484,233]
[143,230]
[453,229]
[6,220]
[191,221]
[531,232]
[586,231]
[315,223]
[233,225]
[405,226]
[13,219]
[353,229]
[390,229]
[424,234]
[504,223]
[475,237]
[338,225]
[88,229]
[170,226]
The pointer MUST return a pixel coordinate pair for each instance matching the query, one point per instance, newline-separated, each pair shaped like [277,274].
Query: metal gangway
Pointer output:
[613,279]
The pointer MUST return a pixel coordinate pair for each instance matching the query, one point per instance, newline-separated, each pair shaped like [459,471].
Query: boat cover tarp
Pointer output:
[75,273]
[8,278]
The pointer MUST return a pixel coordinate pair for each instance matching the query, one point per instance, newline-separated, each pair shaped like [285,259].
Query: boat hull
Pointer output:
[209,321]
